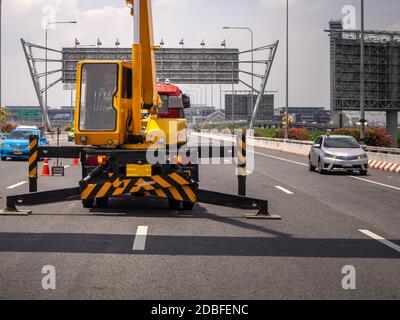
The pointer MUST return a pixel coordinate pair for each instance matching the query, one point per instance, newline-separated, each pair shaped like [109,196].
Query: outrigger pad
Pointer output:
[14,212]
[264,217]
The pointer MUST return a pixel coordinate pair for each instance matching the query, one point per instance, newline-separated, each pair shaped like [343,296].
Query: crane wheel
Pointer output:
[188,206]
[88,204]
[174,204]
[102,202]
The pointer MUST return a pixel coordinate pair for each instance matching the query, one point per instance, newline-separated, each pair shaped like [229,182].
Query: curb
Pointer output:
[385,166]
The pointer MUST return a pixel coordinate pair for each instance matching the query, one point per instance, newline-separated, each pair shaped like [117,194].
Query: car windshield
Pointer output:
[21,135]
[341,143]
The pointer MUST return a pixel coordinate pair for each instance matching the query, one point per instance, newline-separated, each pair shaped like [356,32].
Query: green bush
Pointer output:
[266,133]
[374,137]
[315,134]
[398,140]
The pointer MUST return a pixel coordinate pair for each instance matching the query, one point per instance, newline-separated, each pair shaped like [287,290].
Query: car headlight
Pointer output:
[363,156]
[329,155]
[5,145]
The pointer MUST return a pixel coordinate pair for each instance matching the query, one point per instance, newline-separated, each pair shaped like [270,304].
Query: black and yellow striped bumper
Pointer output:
[172,186]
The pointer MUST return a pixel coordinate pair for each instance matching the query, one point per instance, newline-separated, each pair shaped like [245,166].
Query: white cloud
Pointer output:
[192,20]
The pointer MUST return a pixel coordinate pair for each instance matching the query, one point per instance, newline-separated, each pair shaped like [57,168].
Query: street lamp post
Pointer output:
[45,119]
[287,71]
[0,48]
[117,44]
[223,45]
[362,78]
[252,62]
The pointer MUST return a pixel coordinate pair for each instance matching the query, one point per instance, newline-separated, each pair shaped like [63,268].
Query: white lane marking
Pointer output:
[140,238]
[282,159]
[381,240]
[377,183]
[17,185]
[284,190]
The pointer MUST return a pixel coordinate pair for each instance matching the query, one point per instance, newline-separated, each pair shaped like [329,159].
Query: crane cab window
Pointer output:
[126,83]
[98,89]
[165,104]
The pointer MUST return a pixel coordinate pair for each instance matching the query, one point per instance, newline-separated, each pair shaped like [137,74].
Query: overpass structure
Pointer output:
[179,65]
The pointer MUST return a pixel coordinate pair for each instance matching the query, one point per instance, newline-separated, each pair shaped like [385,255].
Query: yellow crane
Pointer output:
[130,134]
[108,114]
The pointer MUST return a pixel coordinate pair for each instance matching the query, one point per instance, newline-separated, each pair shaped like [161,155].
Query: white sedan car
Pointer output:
[338,153]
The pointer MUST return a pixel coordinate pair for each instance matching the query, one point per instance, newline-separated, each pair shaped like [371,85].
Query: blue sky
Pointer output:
[192,20]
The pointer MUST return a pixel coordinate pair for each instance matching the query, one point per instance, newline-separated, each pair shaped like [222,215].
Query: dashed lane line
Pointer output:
[284,190]
[140,238]
[17,185]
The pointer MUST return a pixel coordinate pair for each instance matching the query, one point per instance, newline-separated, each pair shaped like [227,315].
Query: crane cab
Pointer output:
[104,114]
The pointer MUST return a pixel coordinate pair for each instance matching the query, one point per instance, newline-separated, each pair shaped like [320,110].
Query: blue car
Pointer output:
[16,145]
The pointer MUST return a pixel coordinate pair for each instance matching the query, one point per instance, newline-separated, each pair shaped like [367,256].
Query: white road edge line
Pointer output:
[277,158]
[140,238]
[381,240]
[284,190]
[17,185]
[377,183]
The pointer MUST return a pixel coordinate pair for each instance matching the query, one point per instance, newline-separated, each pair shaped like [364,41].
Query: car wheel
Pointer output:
[363,172]
[320,167]
[310,166]
[3,158]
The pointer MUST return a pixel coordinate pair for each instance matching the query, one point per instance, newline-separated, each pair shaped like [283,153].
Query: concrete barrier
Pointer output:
[377,160]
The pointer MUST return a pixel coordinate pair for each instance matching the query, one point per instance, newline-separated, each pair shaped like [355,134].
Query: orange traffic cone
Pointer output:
[45,169]
[75,162]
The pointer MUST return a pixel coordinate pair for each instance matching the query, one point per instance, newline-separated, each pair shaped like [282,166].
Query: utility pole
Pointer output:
[287,71]
[362,78]
[0,49]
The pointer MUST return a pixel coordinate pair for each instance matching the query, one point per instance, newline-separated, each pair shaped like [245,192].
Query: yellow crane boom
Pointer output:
[144,79]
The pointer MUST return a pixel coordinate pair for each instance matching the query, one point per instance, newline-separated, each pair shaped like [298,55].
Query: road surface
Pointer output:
[141,250]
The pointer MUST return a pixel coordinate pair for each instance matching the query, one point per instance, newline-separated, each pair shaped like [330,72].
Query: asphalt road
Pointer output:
[213,253]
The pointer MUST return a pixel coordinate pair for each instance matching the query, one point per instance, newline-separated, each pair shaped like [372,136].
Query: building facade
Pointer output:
[238,107]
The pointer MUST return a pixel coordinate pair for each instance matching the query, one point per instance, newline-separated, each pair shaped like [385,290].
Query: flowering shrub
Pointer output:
[8,127]
[374,137]
[296,134]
